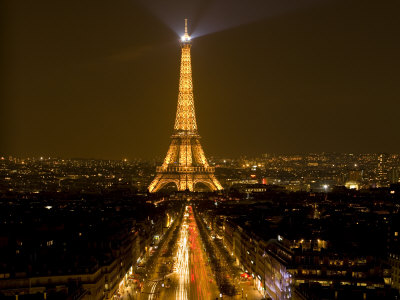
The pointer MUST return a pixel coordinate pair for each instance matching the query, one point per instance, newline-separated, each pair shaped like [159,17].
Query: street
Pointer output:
[191,276]
[181,269]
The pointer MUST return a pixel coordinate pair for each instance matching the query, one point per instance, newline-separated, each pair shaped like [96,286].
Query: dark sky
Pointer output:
[99,79]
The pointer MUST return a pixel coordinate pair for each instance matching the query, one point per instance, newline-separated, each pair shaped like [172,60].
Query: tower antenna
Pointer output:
[186,31]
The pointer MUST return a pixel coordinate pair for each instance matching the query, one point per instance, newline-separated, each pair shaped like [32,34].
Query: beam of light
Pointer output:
[211,16]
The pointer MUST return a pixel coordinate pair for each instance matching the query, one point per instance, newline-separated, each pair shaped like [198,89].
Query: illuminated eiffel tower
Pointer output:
[185,163]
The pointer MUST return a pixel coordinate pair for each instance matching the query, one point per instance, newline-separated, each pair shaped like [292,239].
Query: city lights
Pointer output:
[291,201]
[185,38]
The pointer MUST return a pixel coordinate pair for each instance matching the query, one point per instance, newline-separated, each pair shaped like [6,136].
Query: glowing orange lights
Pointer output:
[185,164]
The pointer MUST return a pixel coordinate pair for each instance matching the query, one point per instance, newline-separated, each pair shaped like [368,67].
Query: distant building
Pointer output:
[394,175]
[352,185]
[394,261]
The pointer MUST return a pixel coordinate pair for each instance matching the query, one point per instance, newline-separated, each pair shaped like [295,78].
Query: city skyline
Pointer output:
[284,227]
[79,84]
[293,173]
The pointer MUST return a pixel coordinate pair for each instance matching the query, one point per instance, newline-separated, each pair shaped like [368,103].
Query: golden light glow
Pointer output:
[185,163]
[185,113]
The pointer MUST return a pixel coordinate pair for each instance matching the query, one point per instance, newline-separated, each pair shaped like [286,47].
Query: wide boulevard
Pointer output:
[191,276]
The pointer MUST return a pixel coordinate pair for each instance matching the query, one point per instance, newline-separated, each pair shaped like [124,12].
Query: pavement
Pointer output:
[249,291]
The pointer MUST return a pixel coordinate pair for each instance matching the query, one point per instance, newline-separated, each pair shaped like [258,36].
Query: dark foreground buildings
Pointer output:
[341,245]
[81,229]
[76,248]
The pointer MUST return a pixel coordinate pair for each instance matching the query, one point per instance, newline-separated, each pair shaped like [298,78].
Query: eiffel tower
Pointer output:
[185,163]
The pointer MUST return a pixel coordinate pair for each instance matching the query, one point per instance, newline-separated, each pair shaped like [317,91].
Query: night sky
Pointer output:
[99,79]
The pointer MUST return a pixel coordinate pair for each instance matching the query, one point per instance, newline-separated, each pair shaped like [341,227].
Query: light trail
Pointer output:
[192,276]
[182,263]
[201,277]
[153,290]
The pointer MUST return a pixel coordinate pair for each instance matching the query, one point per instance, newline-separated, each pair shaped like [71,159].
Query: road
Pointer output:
[191,276]
[202,283]
[184,273]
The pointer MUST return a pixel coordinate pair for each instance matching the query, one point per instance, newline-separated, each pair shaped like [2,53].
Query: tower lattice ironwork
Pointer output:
[185,163]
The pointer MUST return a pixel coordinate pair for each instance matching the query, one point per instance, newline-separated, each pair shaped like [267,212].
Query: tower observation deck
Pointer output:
[185,163]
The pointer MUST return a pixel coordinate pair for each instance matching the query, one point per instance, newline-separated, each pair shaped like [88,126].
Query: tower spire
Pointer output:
[185,114]
[186,37]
